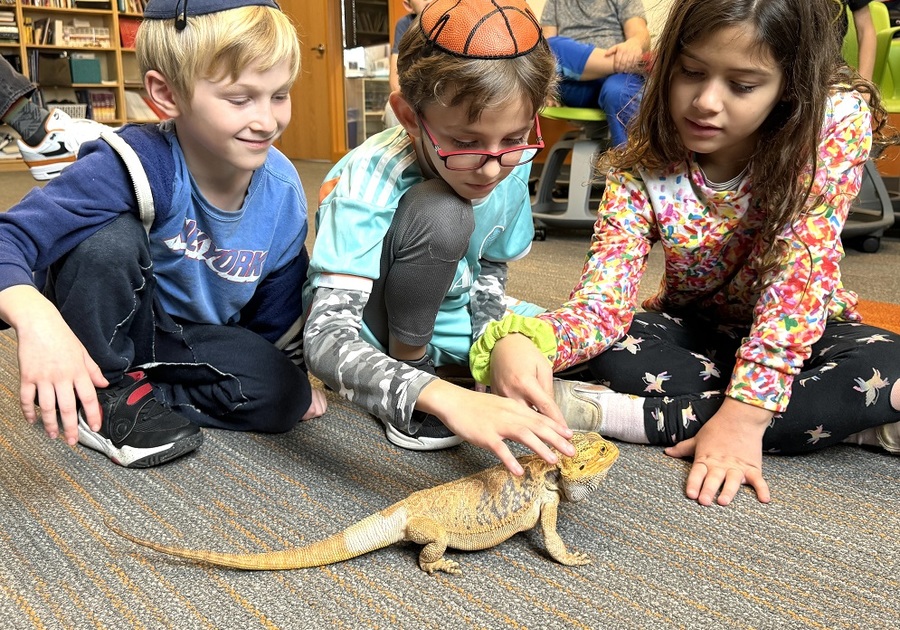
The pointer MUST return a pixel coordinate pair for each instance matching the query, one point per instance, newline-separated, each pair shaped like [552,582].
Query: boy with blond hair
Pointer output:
[143,334]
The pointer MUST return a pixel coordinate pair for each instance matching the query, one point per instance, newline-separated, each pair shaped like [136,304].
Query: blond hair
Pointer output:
[217,45]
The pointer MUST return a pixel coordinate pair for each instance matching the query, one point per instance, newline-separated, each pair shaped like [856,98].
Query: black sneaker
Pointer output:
[431,435]
[137,430]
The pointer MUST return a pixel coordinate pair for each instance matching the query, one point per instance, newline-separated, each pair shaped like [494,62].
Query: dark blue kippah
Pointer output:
[182,9]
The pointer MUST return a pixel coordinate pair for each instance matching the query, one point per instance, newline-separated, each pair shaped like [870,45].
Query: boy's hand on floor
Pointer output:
[56,372]
[487,420]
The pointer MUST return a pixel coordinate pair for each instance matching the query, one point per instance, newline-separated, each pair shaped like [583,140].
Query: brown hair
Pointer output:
[797,35]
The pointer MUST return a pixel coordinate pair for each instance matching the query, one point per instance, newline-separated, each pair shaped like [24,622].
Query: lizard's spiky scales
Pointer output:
[472,513]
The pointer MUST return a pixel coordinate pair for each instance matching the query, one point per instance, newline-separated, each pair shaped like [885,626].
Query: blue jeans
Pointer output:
[618,95]
[13,86]
[221,376]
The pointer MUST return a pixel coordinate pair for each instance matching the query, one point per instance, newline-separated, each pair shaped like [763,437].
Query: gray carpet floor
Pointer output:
[824,554]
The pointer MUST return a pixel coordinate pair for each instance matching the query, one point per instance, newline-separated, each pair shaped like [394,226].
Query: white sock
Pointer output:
[623,417]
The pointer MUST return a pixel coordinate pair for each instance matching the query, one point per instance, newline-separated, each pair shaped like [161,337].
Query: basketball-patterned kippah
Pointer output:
[481,29]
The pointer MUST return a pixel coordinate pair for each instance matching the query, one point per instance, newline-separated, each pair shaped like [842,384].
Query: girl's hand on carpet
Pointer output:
[727,453]
[56,372]
[487,420]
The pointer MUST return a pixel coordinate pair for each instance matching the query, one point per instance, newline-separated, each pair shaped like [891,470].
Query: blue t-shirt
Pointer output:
[401,27]
[208,262]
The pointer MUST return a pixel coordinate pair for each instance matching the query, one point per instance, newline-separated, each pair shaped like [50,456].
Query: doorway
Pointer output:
[320,111]
[316,131]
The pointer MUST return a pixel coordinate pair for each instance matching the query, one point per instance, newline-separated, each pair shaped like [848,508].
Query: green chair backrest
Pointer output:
[884,34]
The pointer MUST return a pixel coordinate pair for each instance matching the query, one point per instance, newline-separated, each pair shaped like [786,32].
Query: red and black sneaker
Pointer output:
[138,431]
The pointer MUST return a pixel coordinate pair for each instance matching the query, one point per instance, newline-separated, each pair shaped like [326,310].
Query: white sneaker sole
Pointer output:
[44,172]
[416,443]
[131,457]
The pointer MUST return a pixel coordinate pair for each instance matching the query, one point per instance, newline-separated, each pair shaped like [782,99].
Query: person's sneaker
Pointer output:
[580,403]
[889,437]
[137,430]
[431,435]
[60,146]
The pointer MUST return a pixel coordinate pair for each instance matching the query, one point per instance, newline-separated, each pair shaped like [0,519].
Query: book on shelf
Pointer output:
[132,6]
[51,4]
[55,33]
[103,105]
[128,31]
[40,29]
[136,108]
[97,5]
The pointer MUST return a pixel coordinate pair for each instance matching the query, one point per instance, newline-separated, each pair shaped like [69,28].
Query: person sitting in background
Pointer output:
[414,8]
[600,48]
[865,35]
[49,139]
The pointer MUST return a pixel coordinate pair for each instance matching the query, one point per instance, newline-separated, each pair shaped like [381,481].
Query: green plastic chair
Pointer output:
[585,144]
[873,210]
[884,35]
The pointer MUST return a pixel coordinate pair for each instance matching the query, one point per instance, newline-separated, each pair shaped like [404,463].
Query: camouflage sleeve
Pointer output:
[359,372]
[486,296]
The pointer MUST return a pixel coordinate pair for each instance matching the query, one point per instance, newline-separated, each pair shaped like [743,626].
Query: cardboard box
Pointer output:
[85,70]
[54,71]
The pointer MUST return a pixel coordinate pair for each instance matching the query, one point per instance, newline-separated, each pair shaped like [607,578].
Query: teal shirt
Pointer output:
[357,204]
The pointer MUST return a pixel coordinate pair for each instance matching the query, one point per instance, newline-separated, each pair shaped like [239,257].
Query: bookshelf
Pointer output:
[73,51]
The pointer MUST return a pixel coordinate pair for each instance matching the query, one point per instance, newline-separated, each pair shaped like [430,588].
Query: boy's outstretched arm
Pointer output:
[55,370]
[486,420]
[336,354]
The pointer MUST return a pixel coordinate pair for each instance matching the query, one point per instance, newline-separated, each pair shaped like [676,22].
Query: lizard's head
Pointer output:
[582,473]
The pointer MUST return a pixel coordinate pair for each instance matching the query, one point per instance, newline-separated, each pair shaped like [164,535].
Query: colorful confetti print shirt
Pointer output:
[712,257]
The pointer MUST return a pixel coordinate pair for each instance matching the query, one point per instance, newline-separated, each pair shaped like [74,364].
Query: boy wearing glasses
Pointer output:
[145,333]
[416,226]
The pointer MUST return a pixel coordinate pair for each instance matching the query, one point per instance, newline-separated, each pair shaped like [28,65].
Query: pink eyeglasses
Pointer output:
[473,160]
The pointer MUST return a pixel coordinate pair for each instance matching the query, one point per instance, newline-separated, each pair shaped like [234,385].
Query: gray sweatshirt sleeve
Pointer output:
[365,376]
[486,296]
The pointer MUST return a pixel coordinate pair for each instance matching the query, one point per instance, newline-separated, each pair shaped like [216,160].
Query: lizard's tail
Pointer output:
[373,532]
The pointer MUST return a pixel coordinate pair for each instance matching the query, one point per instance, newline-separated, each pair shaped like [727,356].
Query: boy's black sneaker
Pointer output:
[137,430]
[431,435]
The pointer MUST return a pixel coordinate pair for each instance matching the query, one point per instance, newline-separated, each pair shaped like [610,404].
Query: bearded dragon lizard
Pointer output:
[472,513]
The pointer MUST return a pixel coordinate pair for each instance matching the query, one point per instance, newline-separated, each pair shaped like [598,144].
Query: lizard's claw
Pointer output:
[447,566]
[574,559]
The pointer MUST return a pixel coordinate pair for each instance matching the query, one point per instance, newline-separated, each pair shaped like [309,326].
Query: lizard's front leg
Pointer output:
[425,531]
[552,540]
